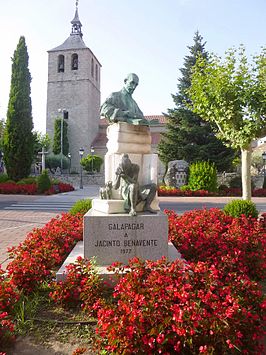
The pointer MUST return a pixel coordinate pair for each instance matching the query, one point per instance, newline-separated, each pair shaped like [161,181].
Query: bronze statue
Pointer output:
[121,107]
[132,193]
[106,191]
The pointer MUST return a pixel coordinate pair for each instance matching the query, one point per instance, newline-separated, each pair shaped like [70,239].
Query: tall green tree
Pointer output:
[2,128]
[187,136]
[57,137]
[231,94]
[18,137]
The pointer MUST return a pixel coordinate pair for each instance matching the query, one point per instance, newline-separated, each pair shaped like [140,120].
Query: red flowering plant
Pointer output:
[43,250]
[13,188]
[173,308]
[58,188]
[82,286]
[173,191]
[8,297]
[32,189]
[259,193]
[224,241]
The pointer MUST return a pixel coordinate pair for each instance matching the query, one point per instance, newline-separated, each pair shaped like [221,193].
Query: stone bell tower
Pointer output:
[73,91]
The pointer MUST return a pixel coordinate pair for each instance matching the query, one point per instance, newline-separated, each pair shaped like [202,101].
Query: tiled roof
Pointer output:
[72,42]
[160,118]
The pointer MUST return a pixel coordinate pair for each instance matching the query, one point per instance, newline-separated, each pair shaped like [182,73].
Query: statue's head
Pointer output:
[131,82]
[126,162]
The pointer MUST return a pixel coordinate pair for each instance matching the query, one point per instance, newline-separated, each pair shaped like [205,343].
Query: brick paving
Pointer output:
[15,225]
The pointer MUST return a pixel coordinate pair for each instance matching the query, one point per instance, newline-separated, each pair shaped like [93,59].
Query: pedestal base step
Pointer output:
[106,275]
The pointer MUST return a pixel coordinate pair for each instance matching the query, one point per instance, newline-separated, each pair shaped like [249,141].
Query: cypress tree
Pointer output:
[57,137]
[18,137]
[187,136]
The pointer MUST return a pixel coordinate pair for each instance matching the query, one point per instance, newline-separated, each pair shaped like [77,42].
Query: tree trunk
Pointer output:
[246,176]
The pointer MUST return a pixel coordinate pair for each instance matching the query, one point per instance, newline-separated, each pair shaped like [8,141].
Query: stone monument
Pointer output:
[126,221]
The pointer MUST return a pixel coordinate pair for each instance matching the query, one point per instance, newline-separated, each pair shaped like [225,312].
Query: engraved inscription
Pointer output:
[125,226]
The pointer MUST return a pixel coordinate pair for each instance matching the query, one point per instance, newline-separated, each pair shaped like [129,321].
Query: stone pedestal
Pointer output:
[111,235]
[128,138]
[121,237]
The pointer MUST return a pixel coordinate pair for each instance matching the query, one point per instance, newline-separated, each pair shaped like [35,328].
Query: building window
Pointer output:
[92,67]
[61,64]
[74,62]
[96,72]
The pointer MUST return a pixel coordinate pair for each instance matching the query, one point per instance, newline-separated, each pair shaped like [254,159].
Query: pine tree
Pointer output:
[187,136]
[18,137]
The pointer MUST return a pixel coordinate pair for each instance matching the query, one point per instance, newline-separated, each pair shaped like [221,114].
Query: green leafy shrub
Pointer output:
[81,206]
[52,161]
[92,163]
[202,176]
[236,208]
[3,177]
[184,188]
[43,182]
[27,181]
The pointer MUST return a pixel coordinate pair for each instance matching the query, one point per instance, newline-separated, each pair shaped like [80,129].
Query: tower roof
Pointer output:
[74,41]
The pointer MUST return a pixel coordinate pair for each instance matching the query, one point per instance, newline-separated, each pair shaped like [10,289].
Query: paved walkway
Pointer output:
[16,224]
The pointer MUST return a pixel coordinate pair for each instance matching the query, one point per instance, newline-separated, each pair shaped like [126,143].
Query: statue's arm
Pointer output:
[111,109]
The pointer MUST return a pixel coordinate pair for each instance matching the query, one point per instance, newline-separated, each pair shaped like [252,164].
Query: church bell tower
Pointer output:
[73,91]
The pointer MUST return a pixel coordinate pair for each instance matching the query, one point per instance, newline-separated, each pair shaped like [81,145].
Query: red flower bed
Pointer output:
[170,308]
[82,286]
[13,188]
[172,191]
[8,297]
[259,193]
[31,189]
[58,188]
[213,237]
[43,250]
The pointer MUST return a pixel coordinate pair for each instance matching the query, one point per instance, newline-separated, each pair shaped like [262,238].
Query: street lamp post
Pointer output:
[69,167]
[264,168]
[81,152]
[64,116]
[92,151]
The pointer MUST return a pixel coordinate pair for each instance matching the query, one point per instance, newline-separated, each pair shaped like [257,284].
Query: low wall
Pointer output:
[74,179]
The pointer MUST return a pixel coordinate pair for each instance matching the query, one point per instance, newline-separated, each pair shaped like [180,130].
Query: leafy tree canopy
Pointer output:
[231,94]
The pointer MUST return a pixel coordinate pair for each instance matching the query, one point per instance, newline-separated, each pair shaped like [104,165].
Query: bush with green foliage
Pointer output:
[81,206]
[27,181]
[52,161]
[43,182]
[236,208]
[4,178]
[202,176]
[92,163]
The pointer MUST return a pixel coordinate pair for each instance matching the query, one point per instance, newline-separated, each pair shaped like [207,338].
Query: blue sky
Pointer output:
[148,37]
